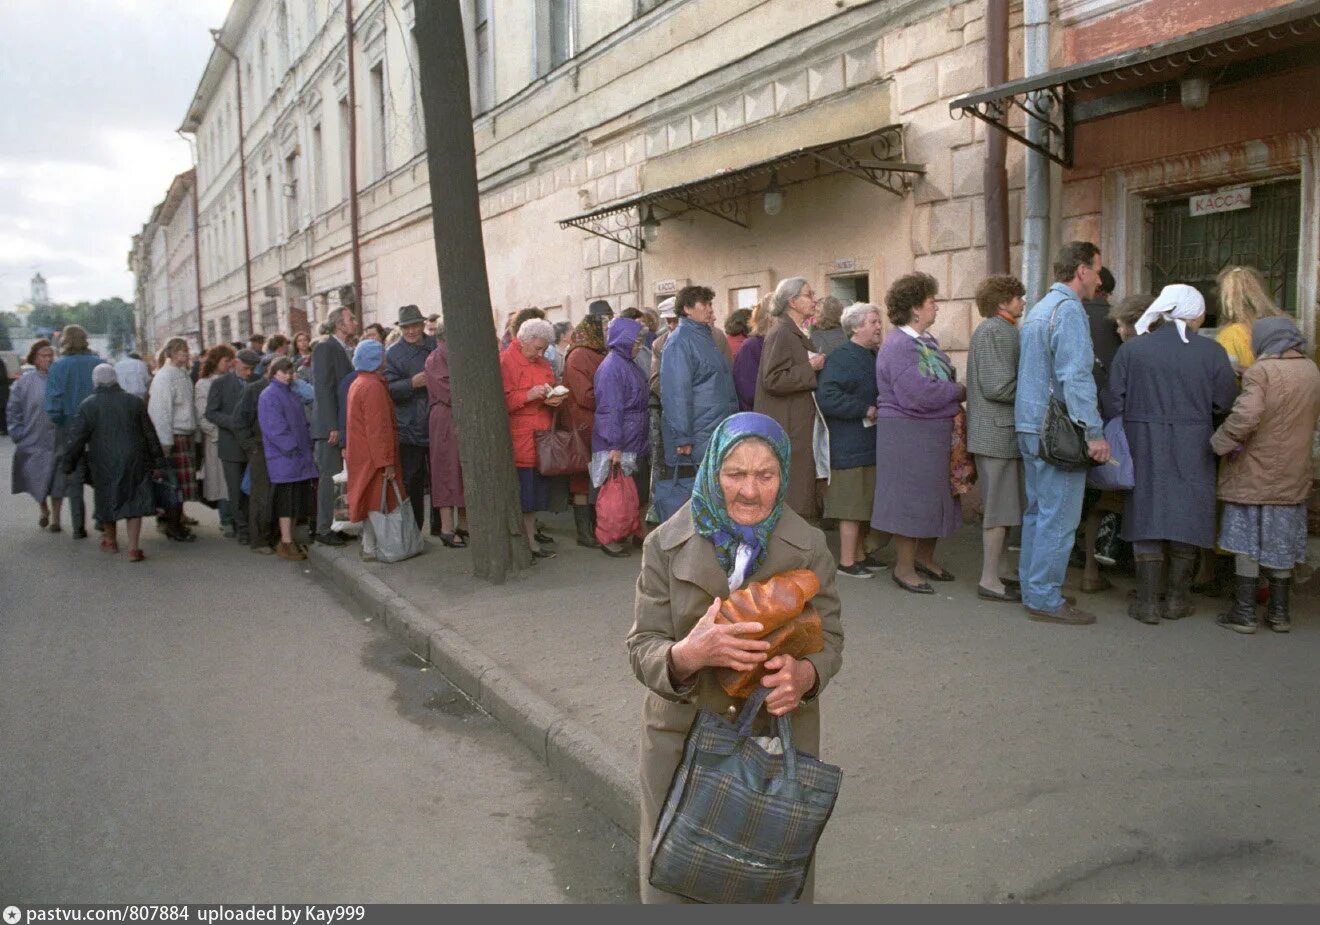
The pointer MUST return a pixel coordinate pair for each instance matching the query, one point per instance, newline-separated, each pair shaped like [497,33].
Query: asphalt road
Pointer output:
[215,726]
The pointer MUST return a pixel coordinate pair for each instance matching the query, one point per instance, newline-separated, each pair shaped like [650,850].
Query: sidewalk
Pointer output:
[986,758]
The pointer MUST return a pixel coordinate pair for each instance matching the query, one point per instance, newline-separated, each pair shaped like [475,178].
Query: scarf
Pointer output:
[1007,317]
[1274,336]
[931,363]
[1177,302]
[590,332]
[740,549]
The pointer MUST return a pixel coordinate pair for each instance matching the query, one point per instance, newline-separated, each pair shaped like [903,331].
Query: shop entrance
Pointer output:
[850,289]
[1183,248]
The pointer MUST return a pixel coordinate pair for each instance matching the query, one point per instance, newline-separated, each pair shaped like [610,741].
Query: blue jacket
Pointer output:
[412,406]
[1068,341]
[844,392]
[622,421]
[696,390]
[68,382]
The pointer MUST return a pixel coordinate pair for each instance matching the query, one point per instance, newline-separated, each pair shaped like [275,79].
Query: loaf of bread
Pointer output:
[772,602]
[799,637]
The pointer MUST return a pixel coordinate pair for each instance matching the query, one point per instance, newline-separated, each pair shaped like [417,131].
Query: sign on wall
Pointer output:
[1224,200]
[669,286]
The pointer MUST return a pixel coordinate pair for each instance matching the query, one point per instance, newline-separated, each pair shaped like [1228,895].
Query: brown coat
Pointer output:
[1274,418]
[785,391]
[446,470]
[680,577]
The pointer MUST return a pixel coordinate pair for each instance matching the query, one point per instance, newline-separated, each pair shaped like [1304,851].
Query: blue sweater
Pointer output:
[845,391]
[67,384]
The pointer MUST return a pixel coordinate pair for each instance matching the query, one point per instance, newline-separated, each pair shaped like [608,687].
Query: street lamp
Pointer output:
[774,196]
[650,227]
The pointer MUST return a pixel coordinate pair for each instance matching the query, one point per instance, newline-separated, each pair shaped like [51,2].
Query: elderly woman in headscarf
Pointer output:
[1170,386]
[35,471]
[1265,479]
[735,529]
[371,454]
[584,358]
[620,431]
[113,429]
[786,389]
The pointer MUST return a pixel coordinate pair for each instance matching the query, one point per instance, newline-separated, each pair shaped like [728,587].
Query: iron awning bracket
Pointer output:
[618,227]
[1050,107]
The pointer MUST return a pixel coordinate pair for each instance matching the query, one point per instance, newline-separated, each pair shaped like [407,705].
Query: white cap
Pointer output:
[666,308]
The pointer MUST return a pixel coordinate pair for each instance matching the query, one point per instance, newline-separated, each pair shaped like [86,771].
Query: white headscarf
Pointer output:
[1177,302]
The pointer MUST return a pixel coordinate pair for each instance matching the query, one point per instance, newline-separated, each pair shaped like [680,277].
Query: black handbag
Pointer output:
[1062,440]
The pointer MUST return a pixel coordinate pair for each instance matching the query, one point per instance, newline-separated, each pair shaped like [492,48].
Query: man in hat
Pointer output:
[668,314]
[331,362]
[222,411]
[601,307]
[405,374]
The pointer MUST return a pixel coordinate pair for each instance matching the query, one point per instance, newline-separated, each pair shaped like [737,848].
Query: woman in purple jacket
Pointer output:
[288,444]
[918,398]
[619,431]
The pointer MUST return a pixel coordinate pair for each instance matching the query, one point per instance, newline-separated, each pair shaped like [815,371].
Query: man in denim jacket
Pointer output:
[1054,497]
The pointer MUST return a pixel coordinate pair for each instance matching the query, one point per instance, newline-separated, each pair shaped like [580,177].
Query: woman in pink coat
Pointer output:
[446,471]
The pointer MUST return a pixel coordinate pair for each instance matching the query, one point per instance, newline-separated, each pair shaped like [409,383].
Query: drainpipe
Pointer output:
[996,143]
[1036,205]
[242,175]
[197,245]
[354,216]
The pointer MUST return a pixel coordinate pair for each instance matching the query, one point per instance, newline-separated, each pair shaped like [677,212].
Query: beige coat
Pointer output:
[1274,419]
[212,471]
[785,391]
[680,577]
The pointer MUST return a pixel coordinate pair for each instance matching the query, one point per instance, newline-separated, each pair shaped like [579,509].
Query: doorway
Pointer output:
[850,289]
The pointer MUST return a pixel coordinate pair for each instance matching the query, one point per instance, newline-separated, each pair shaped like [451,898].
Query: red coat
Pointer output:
[373,444]
[579,409]
[525,418]
[446,471]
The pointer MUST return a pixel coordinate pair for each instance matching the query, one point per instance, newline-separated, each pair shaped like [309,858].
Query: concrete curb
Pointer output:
[566,746]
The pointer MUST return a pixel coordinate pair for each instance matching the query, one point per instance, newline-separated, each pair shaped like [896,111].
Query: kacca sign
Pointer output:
[1224,200]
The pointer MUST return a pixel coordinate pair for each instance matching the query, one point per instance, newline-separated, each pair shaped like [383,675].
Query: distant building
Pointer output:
[40,294]
[163,265]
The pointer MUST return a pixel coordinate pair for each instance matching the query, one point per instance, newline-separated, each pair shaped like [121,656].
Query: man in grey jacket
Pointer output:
[331,362]
[405,374]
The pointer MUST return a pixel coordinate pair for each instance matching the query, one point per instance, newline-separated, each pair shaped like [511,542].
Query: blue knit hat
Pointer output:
[367,355]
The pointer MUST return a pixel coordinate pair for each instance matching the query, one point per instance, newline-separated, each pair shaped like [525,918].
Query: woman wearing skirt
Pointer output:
[917,399]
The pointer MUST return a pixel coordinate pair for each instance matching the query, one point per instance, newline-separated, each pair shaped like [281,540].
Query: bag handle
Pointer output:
[384,488]
[783,725]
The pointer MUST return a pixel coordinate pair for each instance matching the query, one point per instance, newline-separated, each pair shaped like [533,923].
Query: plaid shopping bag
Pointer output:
[742,819]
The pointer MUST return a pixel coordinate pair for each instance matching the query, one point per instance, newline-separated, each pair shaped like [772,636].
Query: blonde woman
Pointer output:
[1243,300]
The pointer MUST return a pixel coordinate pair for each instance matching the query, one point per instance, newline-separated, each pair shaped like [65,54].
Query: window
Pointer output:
[272,214]
[556,33]
[415,72]
[345,149]
[747,297]
[292,220]
[485,57]
[263,74]
[210,333]
[244,326]
[226,329]
[376,87]
[316,173]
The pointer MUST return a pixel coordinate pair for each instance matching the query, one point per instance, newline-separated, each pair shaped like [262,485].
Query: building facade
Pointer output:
[162,259]
[626,147]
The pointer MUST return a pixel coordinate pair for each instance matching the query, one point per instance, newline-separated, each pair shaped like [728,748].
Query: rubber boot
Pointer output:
[78,516]
[1276,611]
[582,520]
[1182,568]
[1146,606]
[1241,617]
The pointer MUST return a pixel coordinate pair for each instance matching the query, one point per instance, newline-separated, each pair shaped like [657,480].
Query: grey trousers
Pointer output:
[329,460]
[238,502]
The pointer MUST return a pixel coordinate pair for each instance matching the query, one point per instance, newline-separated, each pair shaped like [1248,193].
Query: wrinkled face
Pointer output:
[533,348]
[924,315]
[804,303]
[703,312]
[45,356]
[413,333]
[750,479]
[868,334]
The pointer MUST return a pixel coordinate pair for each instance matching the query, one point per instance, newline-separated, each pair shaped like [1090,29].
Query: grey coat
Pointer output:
[680,577]
[992,364]
[330,364]
[221,404]
[1170,395]
[34,439]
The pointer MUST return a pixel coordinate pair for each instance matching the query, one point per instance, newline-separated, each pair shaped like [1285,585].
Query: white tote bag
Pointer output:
[397,536]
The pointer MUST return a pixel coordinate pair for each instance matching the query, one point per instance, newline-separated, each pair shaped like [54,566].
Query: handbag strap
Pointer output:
[783,725]
[1049,344]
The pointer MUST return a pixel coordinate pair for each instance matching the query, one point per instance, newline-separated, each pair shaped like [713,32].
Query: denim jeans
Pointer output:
[1049,526]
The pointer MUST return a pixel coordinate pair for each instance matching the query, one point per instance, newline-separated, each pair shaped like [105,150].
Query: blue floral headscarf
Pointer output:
[709,513]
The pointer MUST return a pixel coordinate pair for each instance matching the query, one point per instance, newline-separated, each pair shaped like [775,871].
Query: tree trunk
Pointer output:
[485,449]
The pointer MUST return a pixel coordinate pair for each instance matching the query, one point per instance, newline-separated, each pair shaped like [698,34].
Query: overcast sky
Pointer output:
[91,92]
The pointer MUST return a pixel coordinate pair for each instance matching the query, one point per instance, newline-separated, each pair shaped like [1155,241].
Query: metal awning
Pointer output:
[876,157]
[1274,40]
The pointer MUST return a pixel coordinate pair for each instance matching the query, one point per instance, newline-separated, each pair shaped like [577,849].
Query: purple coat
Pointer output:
[285,435]
[746,370]
[904,391]
[622,393]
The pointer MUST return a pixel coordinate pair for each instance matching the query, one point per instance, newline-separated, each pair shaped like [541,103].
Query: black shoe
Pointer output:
[180,535]
[230,532]
[856,570]
[920,588]
[80,533]
[942,575]
[873,563]
[582,522]
[542,554]
[452,540]
[1008,595]
[346,537]
[1241,617]
[1276,611]
[330,539]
